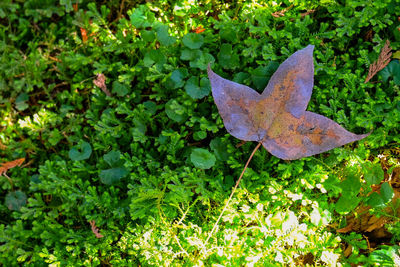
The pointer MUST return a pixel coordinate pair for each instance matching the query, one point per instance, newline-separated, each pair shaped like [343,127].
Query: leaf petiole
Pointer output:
[233,192]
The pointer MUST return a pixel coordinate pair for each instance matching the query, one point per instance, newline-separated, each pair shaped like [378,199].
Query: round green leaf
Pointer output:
[119,89]
[148,36]
[228,58]
[202,158]
[20,101]
[15,200]
[154,57]
[261,75]
[375,200]
[346,203]
[195,90]
[175,111]
[188,54]
[373,173]
[163,36]
[113,158]
[193,40]
[113,175]
[81,151]
[228,34]
[219,148]
[351,186]
[201,61]
[176,79]
[199,135]
[150,107]
[387,192]
[392,70]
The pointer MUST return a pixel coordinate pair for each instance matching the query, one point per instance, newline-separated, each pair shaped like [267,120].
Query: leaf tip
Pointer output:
[309,48]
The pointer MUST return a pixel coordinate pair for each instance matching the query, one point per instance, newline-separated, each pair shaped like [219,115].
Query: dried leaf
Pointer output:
[278,118]
[198,29]
[9,165]
[84,35]
[281,13]
[100,82]
[348,251]
[383,60]
[362,221]
[2,146]
[308,12]
[95,230]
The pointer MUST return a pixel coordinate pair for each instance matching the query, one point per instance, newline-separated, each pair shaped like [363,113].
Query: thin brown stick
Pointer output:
[383,60]
[100,82]
[95,230]
[233,192]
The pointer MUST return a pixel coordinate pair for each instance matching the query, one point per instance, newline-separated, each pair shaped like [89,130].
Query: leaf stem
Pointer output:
[233,192]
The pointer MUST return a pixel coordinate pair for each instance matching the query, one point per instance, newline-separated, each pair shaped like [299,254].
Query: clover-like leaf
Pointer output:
[193,40]
[175,111]
[113,158]
[392,70]
[202,158]
[277,118]
[219,148]
[112,175]
[20,101]
[15,200]
[163,36]
[81,151]
[373,173]
[195,90]
[117,170]
[387,192]
[119,88]
[375,200]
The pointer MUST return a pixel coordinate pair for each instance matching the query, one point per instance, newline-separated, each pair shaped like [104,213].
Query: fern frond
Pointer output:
[383,60]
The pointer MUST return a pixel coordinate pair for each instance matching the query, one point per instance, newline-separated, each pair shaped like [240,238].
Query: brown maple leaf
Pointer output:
[383,60]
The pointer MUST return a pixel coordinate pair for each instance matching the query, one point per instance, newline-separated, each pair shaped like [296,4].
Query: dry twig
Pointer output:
[100,82]
[383,60]
[4,167]
[95,230]
[281,13]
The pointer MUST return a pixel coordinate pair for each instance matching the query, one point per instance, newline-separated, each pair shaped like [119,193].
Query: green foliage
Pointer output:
[117,170]
[202,158]
[81,151]
[152,164]
[15,200]
[392,70]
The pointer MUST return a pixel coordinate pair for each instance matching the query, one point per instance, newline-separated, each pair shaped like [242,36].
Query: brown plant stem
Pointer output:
[233,192]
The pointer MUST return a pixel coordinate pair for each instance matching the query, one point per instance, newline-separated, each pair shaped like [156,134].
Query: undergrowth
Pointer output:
[136,171]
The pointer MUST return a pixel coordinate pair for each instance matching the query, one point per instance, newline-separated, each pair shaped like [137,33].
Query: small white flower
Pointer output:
[271,190]
[260,207]
[329,258]
[279,257]
[245,208]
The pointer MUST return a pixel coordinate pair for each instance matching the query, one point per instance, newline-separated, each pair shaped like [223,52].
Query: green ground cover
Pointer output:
[136,170]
